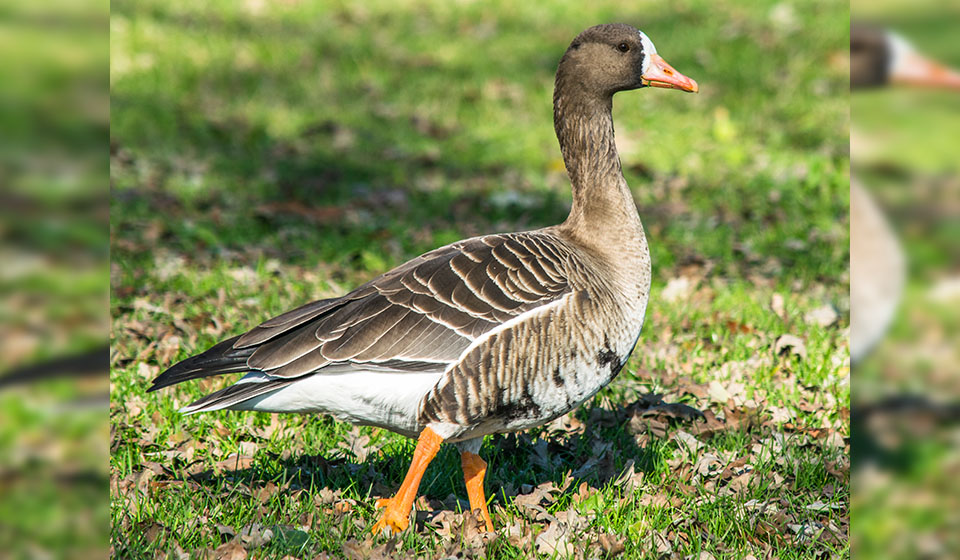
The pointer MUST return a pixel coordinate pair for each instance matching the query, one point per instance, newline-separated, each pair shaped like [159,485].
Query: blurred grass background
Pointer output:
[388,122]
[905,146]
[54,114]
[264,154]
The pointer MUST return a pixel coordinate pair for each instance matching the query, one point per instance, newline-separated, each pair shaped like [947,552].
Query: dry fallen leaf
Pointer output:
[740,483]
[255,535]
[708,464]
[821,507]
[661,543]
[629,480]
[689,441]
[718,393]
[677,289]
[231,550]
[791,343]
[357,550]
[761,506]
[824,316]
[518,534]
[778,307]
[357,444]
[554,540]
[612,545]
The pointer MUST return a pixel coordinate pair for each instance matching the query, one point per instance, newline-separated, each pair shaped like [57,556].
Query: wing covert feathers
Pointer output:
[420,316]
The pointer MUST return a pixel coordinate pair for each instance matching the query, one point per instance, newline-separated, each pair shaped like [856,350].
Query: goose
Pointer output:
[880,58]
[494,334]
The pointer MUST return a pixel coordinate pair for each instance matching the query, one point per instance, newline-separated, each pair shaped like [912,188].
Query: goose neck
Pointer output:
[584,127]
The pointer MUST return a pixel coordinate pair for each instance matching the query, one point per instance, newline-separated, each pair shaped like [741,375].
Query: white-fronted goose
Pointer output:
[880,58]
[492,334]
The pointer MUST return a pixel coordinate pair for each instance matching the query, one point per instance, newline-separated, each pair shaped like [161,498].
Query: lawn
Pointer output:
[906,501]
[266,154]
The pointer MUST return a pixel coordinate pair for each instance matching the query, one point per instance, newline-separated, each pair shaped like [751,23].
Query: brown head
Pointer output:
[614,57]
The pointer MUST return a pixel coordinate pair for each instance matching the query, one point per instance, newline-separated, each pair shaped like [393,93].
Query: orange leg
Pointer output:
[474,468]
[396,516]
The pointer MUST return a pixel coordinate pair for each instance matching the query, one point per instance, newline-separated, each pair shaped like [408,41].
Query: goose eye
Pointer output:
[623,47]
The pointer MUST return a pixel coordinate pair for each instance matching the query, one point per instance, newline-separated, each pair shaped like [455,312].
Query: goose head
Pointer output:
[618,57]
[879,57]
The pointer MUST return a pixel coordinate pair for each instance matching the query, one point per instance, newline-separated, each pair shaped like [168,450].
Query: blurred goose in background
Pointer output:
[492,334]
[880,58]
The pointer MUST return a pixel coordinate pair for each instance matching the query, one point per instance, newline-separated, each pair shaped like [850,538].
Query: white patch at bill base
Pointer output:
[648,49]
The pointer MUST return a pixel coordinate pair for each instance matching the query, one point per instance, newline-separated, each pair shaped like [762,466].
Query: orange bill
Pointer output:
[661,74]
[917,70]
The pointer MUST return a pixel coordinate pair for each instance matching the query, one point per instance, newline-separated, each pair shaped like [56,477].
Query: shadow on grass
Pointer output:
[518,463]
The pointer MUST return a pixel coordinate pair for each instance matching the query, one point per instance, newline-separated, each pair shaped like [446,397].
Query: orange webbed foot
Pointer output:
[396,516]
[393,517]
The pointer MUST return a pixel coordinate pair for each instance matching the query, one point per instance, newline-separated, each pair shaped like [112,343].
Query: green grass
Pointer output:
[264,159]
[904,501]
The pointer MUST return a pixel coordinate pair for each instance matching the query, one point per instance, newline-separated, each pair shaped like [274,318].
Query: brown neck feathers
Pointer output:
[583,122]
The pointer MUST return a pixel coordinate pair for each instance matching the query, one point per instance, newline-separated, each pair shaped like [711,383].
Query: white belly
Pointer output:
[389,400]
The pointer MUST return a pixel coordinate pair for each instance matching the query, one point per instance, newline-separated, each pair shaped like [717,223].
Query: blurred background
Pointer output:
[904,153]
[54,117]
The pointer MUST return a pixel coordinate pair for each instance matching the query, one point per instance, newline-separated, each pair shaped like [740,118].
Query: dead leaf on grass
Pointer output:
[266,493]
[792,344]
[739,484]
[678,289]
[661,543]
[780,415]
[152,531]
[519,535]
[358,550]
[247,448]
[640,425]
[611,544]
[255,535]
[231,550]
[171,551]
[821,507]
[234,462]
[777,305]
[718,393]
[824,316]
[708,465]
[629,479]
[689,441]
[699,391]
[761,506]
[710,425]
[357,445]
[566,424]
[468,528]
[554,540]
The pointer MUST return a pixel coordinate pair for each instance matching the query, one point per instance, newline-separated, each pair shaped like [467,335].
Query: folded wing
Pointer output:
[418,317]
